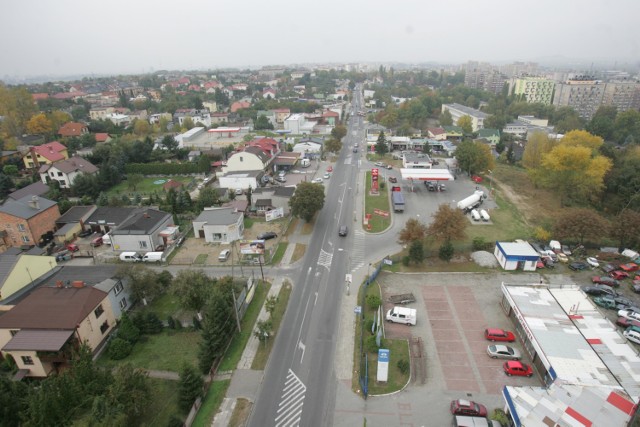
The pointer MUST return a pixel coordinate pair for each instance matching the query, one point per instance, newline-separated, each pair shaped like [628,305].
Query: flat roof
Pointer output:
[427,174]
[518,249]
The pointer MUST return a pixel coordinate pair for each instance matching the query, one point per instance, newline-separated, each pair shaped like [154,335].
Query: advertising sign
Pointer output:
[252,247]
[383,365]
[381,212]
[274,214]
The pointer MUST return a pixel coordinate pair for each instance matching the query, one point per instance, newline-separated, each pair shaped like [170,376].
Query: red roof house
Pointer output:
[73,129]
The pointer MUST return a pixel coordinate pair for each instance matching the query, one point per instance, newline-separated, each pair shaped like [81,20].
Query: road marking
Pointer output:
[303,348]
[325,258]
[291,401]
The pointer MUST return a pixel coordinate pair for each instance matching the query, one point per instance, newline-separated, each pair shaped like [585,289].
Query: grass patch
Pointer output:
[210,404]
[166,351]
[241,413]
[164,306]
[292,227]
[298,252]
[381,201]
[164,403]
[201,259]
[262,355]
[280,250]
[239,341]
[248,222]
[146,186]
[307,227]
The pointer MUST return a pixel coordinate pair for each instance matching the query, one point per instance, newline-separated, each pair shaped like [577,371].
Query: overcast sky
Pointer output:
[65,37]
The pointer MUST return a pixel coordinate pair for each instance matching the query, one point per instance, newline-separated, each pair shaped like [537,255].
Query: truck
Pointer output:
[471,202]
[398,201]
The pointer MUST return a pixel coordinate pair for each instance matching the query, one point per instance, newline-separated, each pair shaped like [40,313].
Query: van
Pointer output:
[224,255]
[632,335]
[404,315]
[466,421]
[153,257]
[106,239]
[475,215]
[305,163]
[130,257]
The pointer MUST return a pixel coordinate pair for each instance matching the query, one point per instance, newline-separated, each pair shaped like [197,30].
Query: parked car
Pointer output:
[629,314]
[393,179]
[468,407]
[578,266]
[326,175]
[517,368]
[379,164]
[317,181]
[499,351]
[562,257]
[389,167]
[494,334]
[96,242]
[566,250]
[593,262]
[632,335]
[71,247]
[540,264]
[550,254]
[597,290]
[626,303]
[267,235]
[605,280]
[608,268]
[85,233]
[477,179]
[629,267]
[607,302]
[619,275]
[537,247]
[625,323]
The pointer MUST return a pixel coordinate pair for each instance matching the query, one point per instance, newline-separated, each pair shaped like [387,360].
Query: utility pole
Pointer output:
[235,308]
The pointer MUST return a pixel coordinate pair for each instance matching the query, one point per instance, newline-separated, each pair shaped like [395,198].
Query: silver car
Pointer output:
[500,351]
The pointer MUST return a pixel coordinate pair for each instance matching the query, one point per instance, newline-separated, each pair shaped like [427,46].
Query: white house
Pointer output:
[251,159]
[66,171]
[294,123]
[141,231]
[118,119]
[219,225]
[308,149]
[516,256]
[241,180]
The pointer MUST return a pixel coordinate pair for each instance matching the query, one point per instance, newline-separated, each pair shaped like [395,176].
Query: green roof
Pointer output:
[452,129]
[486,133]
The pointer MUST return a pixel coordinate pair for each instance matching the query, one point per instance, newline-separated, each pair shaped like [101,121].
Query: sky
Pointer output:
[73,37]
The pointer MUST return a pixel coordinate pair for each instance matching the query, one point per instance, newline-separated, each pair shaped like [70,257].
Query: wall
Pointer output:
[89,329]
[244,162]
[20,276]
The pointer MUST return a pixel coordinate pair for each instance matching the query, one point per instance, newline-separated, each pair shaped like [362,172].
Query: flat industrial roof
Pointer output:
[518,249]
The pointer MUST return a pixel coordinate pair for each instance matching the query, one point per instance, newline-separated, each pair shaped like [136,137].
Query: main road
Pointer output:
[299,382]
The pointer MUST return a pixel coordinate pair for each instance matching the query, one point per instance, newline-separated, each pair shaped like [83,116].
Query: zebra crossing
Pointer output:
[325,258]
[290,407]
[357,255]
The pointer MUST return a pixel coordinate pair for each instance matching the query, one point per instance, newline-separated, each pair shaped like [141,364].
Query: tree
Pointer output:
[332,145]
[12,401]
[191,384]
[579,224]
[307,200]
[141,127]
[582,138]
[6,185]
[262,122]
[264,329]
[339,132]
[625,228]
[603,122]
[413,230]
[192,288]
[466,123]
[11,170]
[164,124]
[39,124]
[86,185]
[206,198]
[381,146]
[627,127]
[130,393]
[270,304]
[448,224]
[187,123]
[218,324]
[446,251]
[416,251]
[538,145]
[144,283]
[445,118]
[474,157]
[127,330]
[133,180]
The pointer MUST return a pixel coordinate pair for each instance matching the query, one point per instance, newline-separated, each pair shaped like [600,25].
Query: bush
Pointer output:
[127,330]
[403,366]
[171,323]
[373,301]
[197,324]
[500,416]
[370,345]
[479,244]
[148,323]
[445,252]
[119,349]
[406,260]
[368,324]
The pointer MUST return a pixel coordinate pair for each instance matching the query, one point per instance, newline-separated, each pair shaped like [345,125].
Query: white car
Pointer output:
[327,175]
[317,181]
[593,262]
[562,257]
[629,314]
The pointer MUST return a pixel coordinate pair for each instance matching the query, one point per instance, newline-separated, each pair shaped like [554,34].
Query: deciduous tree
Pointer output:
[339,132]
[625,228]
[582,138]
[538,145]
[192,288]
[307,200]
[466,123]
[39,124]
[445,118]
[580,224]
[332,145]
[133,180]
[448,224]
[474,157]
[413,230]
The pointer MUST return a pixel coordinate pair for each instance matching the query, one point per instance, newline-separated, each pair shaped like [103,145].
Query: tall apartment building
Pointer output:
[484,76]
[623,95]
[584,96]
[533,89]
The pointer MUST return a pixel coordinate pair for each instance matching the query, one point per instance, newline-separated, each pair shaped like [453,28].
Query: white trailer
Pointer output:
[475,215]
[471,202]
[484,215]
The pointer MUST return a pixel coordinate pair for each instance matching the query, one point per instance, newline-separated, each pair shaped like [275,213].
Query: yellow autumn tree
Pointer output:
[537,146]
[574,171]
[58,118]
[466,123]
[582,138]
[39,124]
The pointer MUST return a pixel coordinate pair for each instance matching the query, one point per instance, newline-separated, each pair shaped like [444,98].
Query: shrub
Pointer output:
[197,324]
[370,345]
[406,260]
[445,252]
[479,244]
[119,349]
[127,330]
[373,301]
[368,324]
[403,366]
[147,322]
[171,323]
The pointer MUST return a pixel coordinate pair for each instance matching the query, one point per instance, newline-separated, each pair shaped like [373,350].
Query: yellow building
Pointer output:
[45,154]
[18,270]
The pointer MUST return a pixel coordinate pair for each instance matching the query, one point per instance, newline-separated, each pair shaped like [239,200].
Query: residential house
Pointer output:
[18,270]
[457,111]
[119,119]
[212,106]
[219,118]
[439,134]
[155,118]
[25,221]
[268,198]
[198,117]
[101,113]
[281,115]
[102,138]
[219,225]
[71,129]
[331,118]
[72,222]
[36,189]
[269,93]
[270,115]
[141,231]
[239,105]
[45,154]
[310,148]
[42,331]
[66,171]
[295,123]
[453,132]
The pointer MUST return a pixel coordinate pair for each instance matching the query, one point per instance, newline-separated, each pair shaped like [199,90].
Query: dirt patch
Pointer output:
[240,413]
[298,252]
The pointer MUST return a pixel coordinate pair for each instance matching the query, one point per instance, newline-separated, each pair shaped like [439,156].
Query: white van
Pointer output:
[130,257]
[153,257]
[305,163]
[632,335]
[475,215]
[106,239]
[465,421]
[402,315]
[224,255]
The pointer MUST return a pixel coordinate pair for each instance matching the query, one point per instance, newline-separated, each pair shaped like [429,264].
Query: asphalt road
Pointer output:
[299,383]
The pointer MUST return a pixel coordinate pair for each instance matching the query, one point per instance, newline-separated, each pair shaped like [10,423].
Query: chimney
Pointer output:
[77,284]
[34,202]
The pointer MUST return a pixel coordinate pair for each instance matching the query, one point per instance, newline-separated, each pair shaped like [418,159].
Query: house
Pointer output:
[102,138]
[439,134]
[25,221]
[219,225]
[310,148]
[141,231]
[66,171]
[516,256]
[241,180]
[239,105]
[36,189]
[171,184]
[45,154]
[119,119]
[198,117]
[281,115]
[73,129]
[252,158]
[42,331]
[295,124]
[331,117]
[453,132]
[285,161]
[18,270]
[491,135]
[219,118]
[270,115]
[155,118]
[106,218]
[278,197]
[269,93]
[72,222]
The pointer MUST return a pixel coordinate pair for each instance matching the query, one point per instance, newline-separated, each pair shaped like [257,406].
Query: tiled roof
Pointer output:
[142,222]
[101,137]
[74,164]
[50,151]
[24,207]
[219,216]
[72,129]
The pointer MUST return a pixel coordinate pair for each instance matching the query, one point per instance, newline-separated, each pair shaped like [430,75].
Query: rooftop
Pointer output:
[26,207]
[468,110]
[142,222]
[219,216]
[518,249]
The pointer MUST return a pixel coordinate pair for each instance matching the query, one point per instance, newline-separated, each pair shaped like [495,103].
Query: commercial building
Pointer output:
[457,111]
[516,256]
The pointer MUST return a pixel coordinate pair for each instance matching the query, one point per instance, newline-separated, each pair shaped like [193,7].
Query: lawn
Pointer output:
[248,222]
[262,355]
[210,404]
[381,201]
[507,224]
[280,250]
[164,403]
[146,186]
[239,341]
[164,306]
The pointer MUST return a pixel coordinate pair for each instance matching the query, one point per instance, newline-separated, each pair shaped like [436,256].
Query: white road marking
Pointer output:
[291,402]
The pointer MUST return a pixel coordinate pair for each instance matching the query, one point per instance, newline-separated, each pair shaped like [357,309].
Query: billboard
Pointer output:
[274,214]
[252,247]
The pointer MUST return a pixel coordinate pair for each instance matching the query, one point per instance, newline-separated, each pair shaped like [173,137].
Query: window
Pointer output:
[21,227]
[27,360]
[25,239]
[118,288]
[104,327]
[241,159]
[98,311]
[59,173]
[123,303]
[143,245]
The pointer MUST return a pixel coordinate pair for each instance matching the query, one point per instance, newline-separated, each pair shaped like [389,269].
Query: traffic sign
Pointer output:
[358,309]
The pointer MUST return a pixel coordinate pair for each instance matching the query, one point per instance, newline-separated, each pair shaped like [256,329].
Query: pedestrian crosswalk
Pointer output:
[359,245]
[325,258]
[291,401]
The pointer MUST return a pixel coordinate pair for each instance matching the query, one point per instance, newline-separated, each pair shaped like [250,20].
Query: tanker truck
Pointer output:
[472,202]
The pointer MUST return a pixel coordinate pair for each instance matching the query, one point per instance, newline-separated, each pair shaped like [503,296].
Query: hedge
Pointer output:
[164,168]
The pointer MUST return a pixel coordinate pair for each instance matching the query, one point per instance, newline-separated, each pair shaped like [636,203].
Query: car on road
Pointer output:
[605,280]
[389,167]
[629,314]
[468,407]
[326,175]
[330,169]
[267,235]
[593,262]
[477,179]
[619,275]
[393,179]
[379,164]
[494,334]
[517,368]
[597,290]
[317,181]
[343,230]
[499,351]
[578,266]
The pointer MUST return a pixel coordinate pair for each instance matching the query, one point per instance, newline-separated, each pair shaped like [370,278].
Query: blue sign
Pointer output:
[358,309]
[383,355]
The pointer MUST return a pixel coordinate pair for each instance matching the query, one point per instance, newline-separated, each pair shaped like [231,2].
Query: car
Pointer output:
[629,267]
[393,179]
[180,241]
[562,257]
[578,266]
[605,280]
[597,290]
[355,149]
[517,368]
[326,175]
[540,264]
[629,314]
[468,407]
[632,335]
[330,169]
[477,179]
[550,254]
[71,247]
[625,303]
[280,178]
[238,191]
[267,235]
[537,247]
[565,250]
[317,181]
[379,164]
[435,162]
[619,275]
[96,242]
[494,334]
[343,230]
[593,262]
[625,323]
[609,267]
[389,167]
[85,233]
[499,351]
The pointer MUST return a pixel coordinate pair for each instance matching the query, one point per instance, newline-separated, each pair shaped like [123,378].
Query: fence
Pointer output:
[364,362]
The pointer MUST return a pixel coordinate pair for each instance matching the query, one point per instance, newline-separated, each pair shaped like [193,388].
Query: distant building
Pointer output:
[534,89]
[457,111]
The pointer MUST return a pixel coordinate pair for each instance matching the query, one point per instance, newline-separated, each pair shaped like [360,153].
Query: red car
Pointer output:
[629,267]
[330,169]
[619,275]
[499,335]
[517,368]
[625,323]
[71,247]
[477,179]
[469,408]
[605,280]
